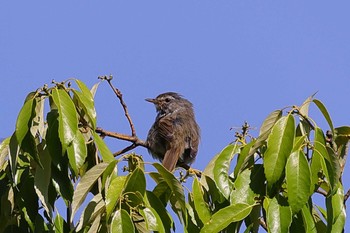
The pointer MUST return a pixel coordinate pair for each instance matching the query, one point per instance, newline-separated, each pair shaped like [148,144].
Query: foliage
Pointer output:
[272,184]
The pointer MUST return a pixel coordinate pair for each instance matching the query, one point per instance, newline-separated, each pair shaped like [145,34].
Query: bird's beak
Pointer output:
[151,100]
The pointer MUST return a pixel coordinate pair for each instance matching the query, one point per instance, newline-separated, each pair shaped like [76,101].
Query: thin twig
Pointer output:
[322,192]
[135,140]
[263,223]
[119,94]
[346,196]
[126,149]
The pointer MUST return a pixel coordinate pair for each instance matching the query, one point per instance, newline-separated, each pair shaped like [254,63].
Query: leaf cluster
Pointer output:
[267,182]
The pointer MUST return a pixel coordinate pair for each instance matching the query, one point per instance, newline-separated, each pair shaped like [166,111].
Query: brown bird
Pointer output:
[174,136]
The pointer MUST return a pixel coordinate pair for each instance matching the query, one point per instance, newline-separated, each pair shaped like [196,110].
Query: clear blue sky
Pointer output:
[235,60]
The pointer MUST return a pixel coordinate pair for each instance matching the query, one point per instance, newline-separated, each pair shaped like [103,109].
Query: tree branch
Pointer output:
[346,196]
[119,94]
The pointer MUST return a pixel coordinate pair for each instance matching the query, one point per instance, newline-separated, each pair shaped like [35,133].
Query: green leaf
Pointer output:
[265,131]
[221,169]
[249,184]
[298,180]
[86,101]
[94,89]
[136,182]
[121,223]
[304,108]
[68,120]
[29,148]
[4,153]
[325,113]
[279,216]
[77,152]
[200,204]
[60,225]
[336,215]
[114,193]
[279,146]
[106,154]
[244,159]
[42,180]
[93,210]
[308,220]
[14,150]
[154,202]
[24,119]
[85,185]
[153,220]
[223,217]
[177,192]
[270,121]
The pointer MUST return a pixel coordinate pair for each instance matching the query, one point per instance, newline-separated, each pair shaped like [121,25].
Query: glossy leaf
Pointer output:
[77,152]
[270,121]
[136,182]
[336,215]
[106,154]
[279,216]
[24,118]
[68,121]
[86,101]
[244,160]
[4,152]
[153,220]
[304,108]
[122,223]
[92,210]
[223,217]
[279,146]
[221,169]
[153,201]
[200,204]
[249,185]
[308,220]
[85,185]
[42,180]
[298,180]
[114,193]
[178,201]
[325,113]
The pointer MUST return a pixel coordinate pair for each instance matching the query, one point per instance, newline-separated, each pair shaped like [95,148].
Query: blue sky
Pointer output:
[235,60]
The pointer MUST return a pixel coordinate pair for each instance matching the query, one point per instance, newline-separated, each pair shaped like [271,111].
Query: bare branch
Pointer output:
[135,140]
[346,196]
[322,192]
[119,94]
[263,223]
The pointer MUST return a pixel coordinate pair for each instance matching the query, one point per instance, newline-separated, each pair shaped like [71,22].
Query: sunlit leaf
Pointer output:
[298,180]
[325,113]
[42,180]
[279,146]
[153,220]
[223,217]
[200,204]
[308,220]
[122,223]
[177,191]
[24,118]
[279,216]
[136,182]
[113,194]
[77,152]
[336,214]
[68,120]
[106,154]
[221,169]
[93,210]
[85,184]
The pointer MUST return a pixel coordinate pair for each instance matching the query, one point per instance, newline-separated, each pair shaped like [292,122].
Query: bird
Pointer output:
[174,137]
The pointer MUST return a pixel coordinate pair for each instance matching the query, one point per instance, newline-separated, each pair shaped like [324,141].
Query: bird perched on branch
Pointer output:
[174,136]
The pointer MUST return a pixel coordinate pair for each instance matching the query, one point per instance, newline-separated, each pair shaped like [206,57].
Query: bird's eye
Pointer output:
[167,100]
